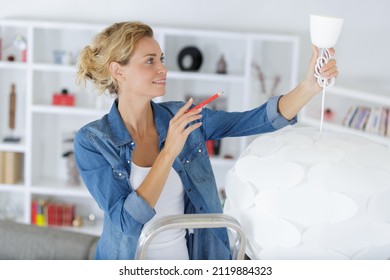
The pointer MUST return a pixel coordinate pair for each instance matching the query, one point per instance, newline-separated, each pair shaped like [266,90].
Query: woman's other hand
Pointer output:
[180,128]
[328,71]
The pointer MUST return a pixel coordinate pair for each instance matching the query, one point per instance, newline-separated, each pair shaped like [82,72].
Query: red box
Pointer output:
[63,99]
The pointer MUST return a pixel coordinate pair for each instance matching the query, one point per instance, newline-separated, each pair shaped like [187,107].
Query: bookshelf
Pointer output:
[48,66]
[351,108]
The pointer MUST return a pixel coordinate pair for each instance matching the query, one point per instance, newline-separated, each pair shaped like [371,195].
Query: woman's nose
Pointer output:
[162,69]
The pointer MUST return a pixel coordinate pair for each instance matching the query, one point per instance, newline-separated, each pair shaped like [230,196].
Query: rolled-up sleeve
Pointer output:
[275,118]
[138,208]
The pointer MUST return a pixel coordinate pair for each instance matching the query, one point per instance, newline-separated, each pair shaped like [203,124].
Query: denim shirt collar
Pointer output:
[119,132]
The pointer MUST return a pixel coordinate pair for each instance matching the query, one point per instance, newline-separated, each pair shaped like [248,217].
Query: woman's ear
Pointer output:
[116,71]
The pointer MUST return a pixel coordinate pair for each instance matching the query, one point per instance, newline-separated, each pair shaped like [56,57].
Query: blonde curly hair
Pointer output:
[115,43]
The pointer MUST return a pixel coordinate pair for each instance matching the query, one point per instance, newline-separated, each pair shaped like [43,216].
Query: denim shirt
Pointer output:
[103,153]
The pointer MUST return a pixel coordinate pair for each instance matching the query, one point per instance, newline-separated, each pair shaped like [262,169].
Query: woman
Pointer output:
[144,160]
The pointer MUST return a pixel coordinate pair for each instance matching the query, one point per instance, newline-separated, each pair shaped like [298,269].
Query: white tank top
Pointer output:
[169,244]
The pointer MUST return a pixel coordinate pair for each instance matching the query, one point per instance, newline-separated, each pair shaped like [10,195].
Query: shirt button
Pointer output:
[120,174]
[187,161]
[132,143]
[200,150]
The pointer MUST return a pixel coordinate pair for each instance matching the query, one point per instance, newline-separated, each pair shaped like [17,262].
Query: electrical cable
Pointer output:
[322,60]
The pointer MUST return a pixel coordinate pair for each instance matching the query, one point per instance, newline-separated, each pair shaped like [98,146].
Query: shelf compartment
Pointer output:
[11,42]
[274,59]
[339,100]
[63,43]
[48,83]
[84,208]
[12,205]
[7,78]
[51,140]
[233,49]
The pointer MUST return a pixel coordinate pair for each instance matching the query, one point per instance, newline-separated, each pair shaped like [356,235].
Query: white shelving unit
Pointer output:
[43,126]
[339,100]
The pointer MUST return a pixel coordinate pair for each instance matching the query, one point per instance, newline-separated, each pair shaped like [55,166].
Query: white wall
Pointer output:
[362,50]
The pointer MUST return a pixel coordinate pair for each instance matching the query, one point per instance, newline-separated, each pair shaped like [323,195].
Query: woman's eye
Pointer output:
[150,61]
[163,59]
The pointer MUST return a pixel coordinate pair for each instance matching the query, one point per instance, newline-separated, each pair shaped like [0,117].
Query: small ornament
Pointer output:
[77,221]
[328,115]
[221,67]
[91,219]
[73,173]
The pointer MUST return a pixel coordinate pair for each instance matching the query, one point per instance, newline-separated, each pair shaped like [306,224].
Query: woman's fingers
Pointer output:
[329,70]
[191,128]
[185,107]
[190,117]
[180,127]
[183,118]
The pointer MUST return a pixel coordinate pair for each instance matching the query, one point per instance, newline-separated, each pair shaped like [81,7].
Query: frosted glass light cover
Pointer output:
[312,196]
[325,31]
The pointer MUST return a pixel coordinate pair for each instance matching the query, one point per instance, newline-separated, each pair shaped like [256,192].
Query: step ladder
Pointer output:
[192,221]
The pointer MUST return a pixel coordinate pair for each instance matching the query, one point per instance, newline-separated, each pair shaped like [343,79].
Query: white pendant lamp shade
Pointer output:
[302,194]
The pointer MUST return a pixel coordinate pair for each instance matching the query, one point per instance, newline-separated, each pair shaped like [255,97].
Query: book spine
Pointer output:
[350,115]
[60,214]
[69,214]
[34,212]
[382,126]
[388,123]
[50,213]
[375,125]
[40,217]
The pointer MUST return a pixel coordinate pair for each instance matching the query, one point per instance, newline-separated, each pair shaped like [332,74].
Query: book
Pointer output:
[68,215]
[388,123]
[350,115]
[51,213]
[363,121]
[34,212]
[374,125]
[60,214]
[383,120]
[41,216]
[360,117]
[12,172]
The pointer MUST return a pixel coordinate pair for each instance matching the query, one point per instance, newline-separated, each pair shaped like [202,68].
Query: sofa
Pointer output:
[29,242]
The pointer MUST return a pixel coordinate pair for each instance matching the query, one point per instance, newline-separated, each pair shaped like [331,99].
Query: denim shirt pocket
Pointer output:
[197,163]
[119,172]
